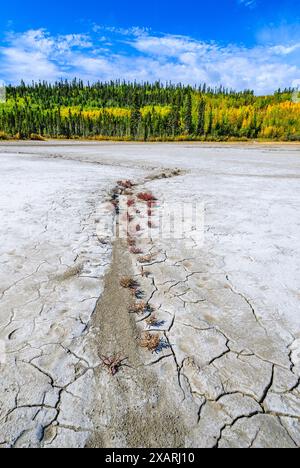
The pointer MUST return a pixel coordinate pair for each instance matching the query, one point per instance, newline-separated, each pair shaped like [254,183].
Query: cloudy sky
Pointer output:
[238,43]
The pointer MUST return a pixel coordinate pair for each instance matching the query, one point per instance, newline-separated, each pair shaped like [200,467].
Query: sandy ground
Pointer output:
[229,308]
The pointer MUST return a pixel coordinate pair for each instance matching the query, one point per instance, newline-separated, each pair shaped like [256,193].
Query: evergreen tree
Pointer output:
[135,118]
[200,131]
[146,111]
[187,114]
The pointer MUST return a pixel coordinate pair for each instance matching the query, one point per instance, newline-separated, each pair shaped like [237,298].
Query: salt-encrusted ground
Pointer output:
[230,307]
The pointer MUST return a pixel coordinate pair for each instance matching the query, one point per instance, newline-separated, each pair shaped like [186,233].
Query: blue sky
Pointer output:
[237,43]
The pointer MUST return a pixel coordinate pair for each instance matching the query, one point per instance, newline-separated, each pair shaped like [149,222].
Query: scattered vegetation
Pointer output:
[3,136]
[147,197]
[130,218]
[153,342]
[150,341]
[36,137]
[113,363]
[146,258]
[129,283]
[131,241]
[154,322]
[140,308]
[136,250]
[126,184]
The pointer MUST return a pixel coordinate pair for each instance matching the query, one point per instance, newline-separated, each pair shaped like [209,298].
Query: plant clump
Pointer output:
[129,283]
[139,308]
[136,251]
[153,321]
[131,241]
[150,341]
[113,363]
[146,258]
[126,184]
[147,197]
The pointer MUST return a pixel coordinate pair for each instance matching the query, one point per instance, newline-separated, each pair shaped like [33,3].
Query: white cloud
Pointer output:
[138,54]
[248,3]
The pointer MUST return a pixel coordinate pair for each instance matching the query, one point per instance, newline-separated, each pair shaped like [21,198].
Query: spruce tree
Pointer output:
[200,131]
[187,114]
[135,118]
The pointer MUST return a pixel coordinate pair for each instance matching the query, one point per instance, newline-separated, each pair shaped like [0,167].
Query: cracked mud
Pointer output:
[228,309]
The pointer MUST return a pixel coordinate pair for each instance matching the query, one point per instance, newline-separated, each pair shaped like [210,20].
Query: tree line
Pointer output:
[147,111]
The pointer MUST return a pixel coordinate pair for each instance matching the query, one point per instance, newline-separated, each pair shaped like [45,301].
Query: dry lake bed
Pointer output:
[224,305]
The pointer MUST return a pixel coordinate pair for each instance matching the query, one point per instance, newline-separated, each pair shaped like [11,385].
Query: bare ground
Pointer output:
[132,408]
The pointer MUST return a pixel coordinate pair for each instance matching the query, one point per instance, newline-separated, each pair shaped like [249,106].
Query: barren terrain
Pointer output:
[227,371]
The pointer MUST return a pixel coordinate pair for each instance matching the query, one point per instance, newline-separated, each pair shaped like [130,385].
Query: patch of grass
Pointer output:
[36,137]
[3,136]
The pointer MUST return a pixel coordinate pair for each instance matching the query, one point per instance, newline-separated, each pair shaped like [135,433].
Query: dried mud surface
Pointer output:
[228,309]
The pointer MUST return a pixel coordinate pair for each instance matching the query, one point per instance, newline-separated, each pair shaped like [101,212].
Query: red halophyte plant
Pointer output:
[150,224]
[113,363]
[149,213]
[147,197]
[136,250]
[127,184]
[138,227]
[130,202]
[131,242]
[130,218]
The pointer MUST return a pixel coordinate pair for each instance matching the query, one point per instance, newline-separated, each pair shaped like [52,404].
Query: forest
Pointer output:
[146,112]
